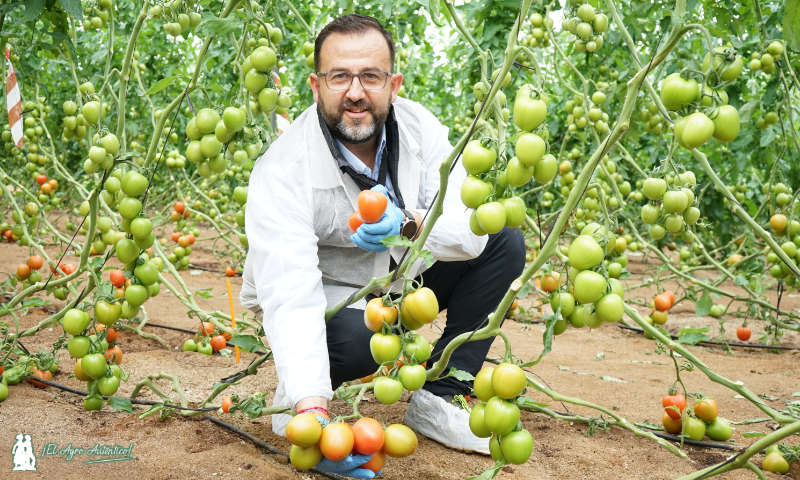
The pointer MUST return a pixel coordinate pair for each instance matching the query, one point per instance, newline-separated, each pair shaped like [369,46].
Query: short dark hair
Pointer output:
[350,24]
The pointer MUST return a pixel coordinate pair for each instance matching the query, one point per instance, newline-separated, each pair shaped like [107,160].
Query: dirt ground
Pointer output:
[618,369]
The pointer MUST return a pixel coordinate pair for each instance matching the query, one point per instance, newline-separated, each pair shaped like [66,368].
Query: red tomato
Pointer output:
[41,178]
[371,205]
[743,332]
[67,268]
[368,436]
[678,401]
[175,236]
[114,354]
[117,278]
[43,374]
[205,329]
[23,271]
[229,271]
[355,221]
[179,207]
[664,301]
[336,441]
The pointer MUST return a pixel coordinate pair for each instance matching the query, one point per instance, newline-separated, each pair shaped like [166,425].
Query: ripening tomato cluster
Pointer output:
[537,36]
[592,298]
[495,206]
[93,346]
[701,420]
[765,61]
[674,208]
[336,440]
[579,117]
[782,227]
[498,416]
[661,305]
[587,25]
[207,340]
[29,271]
[371,206]
[417,308]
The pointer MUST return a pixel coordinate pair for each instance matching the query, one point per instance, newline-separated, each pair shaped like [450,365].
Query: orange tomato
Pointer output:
[44,374]
[23,271]
[367,436]
[179,207]
[375,463]
[371,205]
[304,430]
[664,300]
[226,404]
[218,342]
[778,222]
[111,335]
[355,221]
[46,188]
[376,313]
[175,236]
[114,354]
[67,268]
[550,282]
[79,374]
[229,271]
[227,336]
[35,262]
[671,425]
[53,184]
[336,441]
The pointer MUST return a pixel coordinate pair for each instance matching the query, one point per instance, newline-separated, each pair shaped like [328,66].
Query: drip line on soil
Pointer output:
[712,342]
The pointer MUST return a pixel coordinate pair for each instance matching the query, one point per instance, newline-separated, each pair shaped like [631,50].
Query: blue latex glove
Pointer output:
[369,235]
[349,467]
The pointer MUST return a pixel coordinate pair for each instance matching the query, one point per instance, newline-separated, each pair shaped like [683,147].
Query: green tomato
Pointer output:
[75,321]
[654,188]
[515,211]
[477,158]
[385,348]
[610,308]
[474,191]
[108,385]
[491,217]
[134,183]
[775,463]
[147,273]
[584,252]
[418,349]
[726,123]
[694,428]
[92,402]
[482,385]
[3,391]
[205,348]
[501,416]
[107,313]
[78,346]
[189,345]
[720,430]
[565,301]
[517,174]
[412,377]
[477,421]
[129,208]
[387,390]
[589,286]
[517,446]
[136,295]
[94,365]
[546,169]
[697,130]
[530,149]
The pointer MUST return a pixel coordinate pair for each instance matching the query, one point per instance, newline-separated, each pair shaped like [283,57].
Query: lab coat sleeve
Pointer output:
[451,238]
[282,256]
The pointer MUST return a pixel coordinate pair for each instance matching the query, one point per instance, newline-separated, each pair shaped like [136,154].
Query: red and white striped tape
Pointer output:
[13,103]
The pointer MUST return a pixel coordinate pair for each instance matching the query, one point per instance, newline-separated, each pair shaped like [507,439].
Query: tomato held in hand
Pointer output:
[368,436]
[376,462]
[304,458]
[371,205]
[303,430]
[678,401]
[355,221]
[336,441]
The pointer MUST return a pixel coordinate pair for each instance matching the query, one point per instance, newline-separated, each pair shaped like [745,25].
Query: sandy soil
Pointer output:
[618,369]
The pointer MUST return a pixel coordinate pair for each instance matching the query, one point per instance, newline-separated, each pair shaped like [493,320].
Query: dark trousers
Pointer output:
[470,290]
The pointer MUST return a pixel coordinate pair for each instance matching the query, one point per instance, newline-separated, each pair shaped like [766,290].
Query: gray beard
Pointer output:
[359,132]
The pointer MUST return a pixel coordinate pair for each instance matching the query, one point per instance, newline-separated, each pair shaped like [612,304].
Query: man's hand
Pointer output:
[369,235]
[349,467]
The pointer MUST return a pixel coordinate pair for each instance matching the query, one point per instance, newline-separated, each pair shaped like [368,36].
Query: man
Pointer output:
[303,257]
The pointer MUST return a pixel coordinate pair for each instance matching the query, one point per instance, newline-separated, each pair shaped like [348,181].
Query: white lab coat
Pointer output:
[300,258]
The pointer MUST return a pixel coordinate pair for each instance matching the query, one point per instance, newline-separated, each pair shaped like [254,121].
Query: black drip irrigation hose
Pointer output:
[711,342]
[212,270]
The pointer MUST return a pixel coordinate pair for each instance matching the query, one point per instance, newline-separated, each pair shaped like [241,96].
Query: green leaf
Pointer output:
[791,23]
[73,7]
[460,375]
[123,404]
[753,434]
[204,293]
[523,401]
[250,343]
[490,472]
[33,302]
[703,306]
[219,26]
[434,7]
[161,85]
[33,8]
[741,281]
[693,336]
[397,241]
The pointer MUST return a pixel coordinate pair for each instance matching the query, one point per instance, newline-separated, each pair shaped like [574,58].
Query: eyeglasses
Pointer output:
[340,80]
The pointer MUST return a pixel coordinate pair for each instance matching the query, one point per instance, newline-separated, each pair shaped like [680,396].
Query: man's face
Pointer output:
[355,115]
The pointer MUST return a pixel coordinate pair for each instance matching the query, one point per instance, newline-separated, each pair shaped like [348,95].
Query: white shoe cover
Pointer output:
[437,419]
